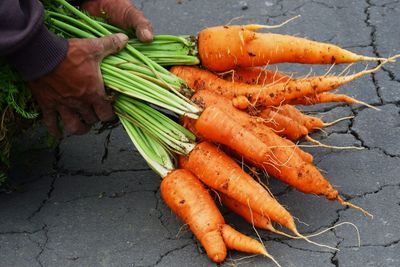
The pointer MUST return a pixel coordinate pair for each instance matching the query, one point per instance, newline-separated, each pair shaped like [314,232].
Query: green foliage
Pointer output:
[15,104]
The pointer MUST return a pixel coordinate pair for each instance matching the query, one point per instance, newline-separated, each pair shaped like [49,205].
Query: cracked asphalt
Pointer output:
[92,201]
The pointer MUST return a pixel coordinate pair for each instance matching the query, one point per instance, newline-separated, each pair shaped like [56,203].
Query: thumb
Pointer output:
[111,44]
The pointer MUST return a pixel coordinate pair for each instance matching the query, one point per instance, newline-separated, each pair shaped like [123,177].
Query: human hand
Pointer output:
[74,89]
[121,13]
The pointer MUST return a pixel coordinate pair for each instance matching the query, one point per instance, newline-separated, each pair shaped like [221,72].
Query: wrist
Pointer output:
[40,55]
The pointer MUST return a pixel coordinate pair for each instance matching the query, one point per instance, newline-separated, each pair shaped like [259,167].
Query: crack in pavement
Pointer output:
[374,46]
[357,136]
[393,243]
[82,172]
[42,247]
[44,201]
[103,195]
[22,232]
[351,197]
[164,255]
[327,5]
[106,144]
[160,214]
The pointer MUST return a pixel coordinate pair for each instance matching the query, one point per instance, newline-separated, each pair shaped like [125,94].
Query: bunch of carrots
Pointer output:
[237,109]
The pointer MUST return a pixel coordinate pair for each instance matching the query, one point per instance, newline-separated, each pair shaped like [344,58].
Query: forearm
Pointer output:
[25,42]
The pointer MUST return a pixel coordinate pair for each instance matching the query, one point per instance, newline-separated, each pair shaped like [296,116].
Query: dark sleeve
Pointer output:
[25,42]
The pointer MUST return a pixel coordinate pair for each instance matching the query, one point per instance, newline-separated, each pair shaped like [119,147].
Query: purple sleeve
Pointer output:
[25,42]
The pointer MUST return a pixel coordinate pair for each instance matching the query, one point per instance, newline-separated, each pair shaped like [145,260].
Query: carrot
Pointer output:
[240,242]
[258,220]
[254,218]
[272,153]
[327,97]
[255,76]
[284,125]
[310,122]
[269,95]
[220,172]
[189,199]
[224,48]
[259,127]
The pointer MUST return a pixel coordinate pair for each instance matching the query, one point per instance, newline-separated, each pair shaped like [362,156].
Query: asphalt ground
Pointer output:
[92,200]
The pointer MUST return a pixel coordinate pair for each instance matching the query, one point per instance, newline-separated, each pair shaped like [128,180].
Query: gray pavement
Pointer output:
[93,201]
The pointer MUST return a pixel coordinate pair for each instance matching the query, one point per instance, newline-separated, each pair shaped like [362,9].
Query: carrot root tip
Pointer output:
[351,205]
[319,144]
[254,27]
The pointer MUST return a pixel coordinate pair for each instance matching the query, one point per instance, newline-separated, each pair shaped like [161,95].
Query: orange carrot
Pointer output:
[310,122]
[255,75]
[259,127]
[269,95]
[238,241]
[254,218]
[284,125]
[220,172]
[272,153]
[223,174]
[188,198]
[326,97]
[224,48]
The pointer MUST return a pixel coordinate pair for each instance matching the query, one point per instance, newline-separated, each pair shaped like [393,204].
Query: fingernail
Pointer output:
[146,35]
[123,37]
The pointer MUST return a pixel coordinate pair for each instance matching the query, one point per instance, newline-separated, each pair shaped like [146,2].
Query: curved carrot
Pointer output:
[269,95]
[220,172]
[223,48]
[189,199]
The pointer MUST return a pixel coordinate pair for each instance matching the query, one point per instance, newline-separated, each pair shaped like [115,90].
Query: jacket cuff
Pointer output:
[41,54]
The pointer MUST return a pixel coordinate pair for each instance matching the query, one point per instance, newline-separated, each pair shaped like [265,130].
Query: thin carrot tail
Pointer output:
[389,59]
[336,226]
[351,205]
[319,144]
[372,70]
[327,124]
[254,27]
[292,226]
[312,242]
[240,242]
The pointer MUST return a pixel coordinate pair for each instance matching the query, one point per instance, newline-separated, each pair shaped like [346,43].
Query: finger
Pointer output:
[111,44]
[71,121]
[103,109]
[51,122]
[84,110]
[136,19]
[144,32]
